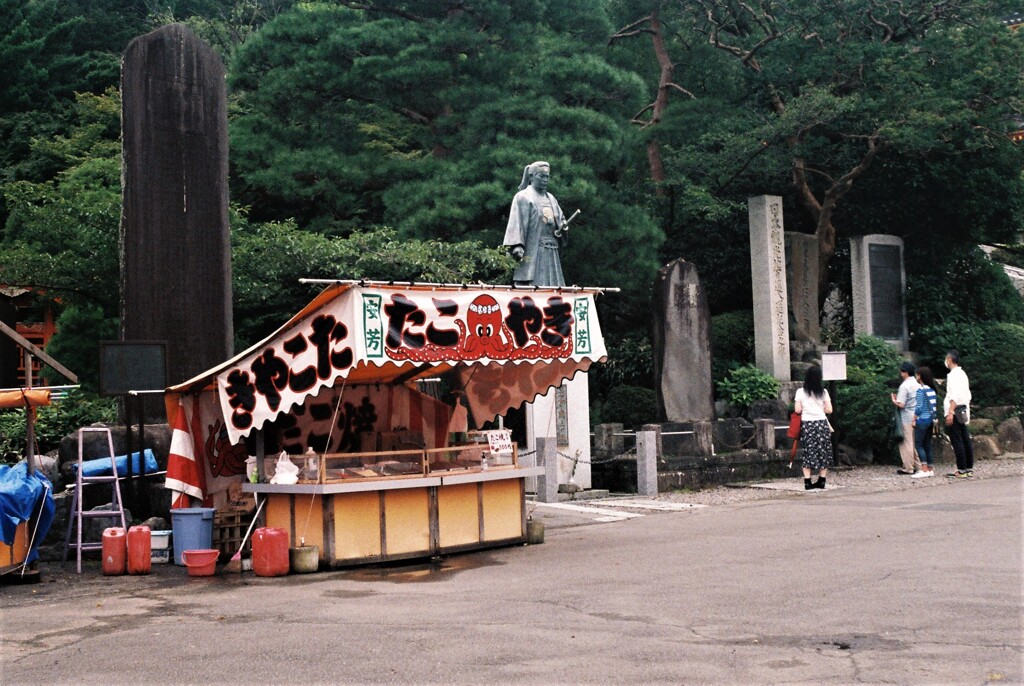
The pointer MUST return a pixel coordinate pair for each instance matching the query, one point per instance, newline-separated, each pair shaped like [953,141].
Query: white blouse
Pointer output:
[813,407]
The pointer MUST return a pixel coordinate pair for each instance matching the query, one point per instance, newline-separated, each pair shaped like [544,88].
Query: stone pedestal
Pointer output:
[768,279]
[564,413]
[879,283]
[682,345]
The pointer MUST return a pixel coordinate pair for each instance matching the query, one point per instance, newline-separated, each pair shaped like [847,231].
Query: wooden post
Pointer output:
[30,423]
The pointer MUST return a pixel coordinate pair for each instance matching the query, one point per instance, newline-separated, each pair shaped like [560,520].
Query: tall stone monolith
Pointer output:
[768,279]
[802,286]
[175,248]
[682,345]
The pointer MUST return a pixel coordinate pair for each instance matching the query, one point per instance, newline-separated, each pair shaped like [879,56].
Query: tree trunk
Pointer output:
[660,102]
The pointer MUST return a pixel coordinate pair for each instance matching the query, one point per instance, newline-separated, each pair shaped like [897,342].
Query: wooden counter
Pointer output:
[376,520]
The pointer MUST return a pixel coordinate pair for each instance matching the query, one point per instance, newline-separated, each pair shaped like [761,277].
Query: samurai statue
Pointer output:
[536,230]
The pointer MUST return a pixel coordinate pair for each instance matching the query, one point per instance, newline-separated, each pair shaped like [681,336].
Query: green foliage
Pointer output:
[632,406]
[421,117]
[53,422]
[80,328]
[732,341]
[957,288]
[743,385]
[630,363]
[875,357]
[864,413]
[61,235]
[992,354]
[269,259]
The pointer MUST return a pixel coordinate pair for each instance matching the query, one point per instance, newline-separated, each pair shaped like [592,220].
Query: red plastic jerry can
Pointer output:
[115,551]
[270,551]
[140,550]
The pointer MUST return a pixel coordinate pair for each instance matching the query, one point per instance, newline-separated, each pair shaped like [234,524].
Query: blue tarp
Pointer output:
[101,465]
[21,498]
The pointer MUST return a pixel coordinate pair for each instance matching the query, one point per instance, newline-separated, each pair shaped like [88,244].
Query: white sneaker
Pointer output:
[921,475]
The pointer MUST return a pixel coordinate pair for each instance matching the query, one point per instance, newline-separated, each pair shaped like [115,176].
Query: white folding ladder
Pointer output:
[115,511]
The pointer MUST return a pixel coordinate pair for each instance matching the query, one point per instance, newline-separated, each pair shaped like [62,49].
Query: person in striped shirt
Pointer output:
[924,417]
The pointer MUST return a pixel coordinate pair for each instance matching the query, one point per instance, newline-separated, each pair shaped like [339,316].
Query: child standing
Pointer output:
[924,417]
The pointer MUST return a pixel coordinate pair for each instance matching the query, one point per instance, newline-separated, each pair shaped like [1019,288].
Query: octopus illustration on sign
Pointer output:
[526,331]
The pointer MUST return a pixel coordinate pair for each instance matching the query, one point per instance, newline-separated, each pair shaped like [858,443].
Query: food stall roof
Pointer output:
[502,345]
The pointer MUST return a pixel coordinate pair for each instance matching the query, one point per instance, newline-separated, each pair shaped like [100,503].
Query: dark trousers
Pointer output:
[960,438]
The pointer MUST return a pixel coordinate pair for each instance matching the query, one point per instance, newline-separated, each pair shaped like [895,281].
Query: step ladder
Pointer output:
[115,511]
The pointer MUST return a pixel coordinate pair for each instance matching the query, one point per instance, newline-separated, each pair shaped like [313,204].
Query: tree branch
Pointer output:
[370,7]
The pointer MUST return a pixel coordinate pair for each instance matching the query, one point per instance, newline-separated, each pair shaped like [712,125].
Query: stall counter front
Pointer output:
[379,520]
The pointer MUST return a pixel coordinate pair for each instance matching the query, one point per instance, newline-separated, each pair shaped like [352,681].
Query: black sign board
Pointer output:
[886,267]
[132,366]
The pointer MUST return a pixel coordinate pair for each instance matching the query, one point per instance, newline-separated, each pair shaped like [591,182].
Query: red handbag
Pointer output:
[793,432]
[794,426]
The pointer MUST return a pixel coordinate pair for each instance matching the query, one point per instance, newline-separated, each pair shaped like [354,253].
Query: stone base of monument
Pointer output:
[697,472]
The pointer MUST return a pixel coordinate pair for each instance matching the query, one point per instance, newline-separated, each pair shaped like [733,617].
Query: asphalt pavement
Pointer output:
[905,587]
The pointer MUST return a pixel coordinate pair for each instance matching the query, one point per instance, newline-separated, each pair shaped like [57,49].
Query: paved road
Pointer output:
[914,587]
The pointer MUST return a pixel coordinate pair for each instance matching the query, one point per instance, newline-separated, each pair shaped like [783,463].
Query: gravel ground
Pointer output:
[870,479]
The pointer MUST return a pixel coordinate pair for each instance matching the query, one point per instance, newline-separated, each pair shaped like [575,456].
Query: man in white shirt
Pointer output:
[906,400]
[958,394]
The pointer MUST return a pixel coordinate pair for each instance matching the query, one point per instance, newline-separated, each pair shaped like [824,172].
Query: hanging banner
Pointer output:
[347,333]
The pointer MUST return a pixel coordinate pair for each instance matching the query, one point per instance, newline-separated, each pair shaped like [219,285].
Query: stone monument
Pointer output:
[768,278]
[175,248]
[879,283]
[682,345]
[536,230]
[802,286]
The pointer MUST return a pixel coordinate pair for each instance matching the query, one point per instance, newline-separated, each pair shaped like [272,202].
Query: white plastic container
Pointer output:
[160,540]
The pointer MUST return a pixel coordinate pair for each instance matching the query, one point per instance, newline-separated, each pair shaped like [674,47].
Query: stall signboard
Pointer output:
[356,330]
[499,442]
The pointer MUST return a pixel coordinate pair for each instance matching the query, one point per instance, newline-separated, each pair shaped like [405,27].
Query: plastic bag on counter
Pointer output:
[285,472]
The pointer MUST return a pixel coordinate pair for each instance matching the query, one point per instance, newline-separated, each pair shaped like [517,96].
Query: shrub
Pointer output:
[992,354]
[743,385]
[732,342]
[959,285]
[864,415]
[630,363]
[53,423]
[631,406]
[876,357]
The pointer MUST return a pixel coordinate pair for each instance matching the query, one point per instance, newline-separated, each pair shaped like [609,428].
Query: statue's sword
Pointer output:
[565,227]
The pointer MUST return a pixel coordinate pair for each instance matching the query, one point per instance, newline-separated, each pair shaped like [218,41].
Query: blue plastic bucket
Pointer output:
[193,530]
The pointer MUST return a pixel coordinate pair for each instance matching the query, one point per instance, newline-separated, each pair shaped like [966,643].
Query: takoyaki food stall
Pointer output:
[356,415]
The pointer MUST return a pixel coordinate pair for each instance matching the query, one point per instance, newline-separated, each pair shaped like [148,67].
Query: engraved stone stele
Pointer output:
[802,286]
[175,247]
[682,345]
[878,283]
[768,280]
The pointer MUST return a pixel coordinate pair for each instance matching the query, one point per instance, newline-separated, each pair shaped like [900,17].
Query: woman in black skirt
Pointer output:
[813,404]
